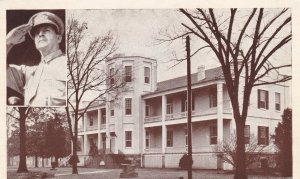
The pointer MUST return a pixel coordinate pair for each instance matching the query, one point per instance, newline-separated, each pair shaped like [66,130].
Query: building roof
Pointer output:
[116,56]
[98,103]
[210,74]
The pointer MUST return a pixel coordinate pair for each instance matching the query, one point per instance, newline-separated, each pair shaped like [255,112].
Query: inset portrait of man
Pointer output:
[36,63]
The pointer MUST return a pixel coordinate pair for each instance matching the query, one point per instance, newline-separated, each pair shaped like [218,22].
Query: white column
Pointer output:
[99,134]
[220,111]
[142,130]
[84,121]
[85,143]
[107,130]
[164,129]
[144,140]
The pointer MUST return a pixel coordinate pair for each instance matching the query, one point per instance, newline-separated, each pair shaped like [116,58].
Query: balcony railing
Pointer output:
[102,126]
[153,150]
[227,110]
[206,148]
[178,115]
[149,119]
[172,150]
[182,115]
[80,129]
[91,128]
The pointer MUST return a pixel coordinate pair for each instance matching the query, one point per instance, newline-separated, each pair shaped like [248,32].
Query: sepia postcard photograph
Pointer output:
[149,93]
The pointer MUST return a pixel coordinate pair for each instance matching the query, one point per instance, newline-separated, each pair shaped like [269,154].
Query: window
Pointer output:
[103,138]
[213,134]
[184,103]
[79,144]
[213,98]
[277,101]
[262,99]
[91,122]
[169,138]
[147,74]
[247,134]
[81,121]
[128,106]
[169,108]
[128,138]
[112,76]
[147,139]
[112,108]
[147,110]
[128,73]
[263,135]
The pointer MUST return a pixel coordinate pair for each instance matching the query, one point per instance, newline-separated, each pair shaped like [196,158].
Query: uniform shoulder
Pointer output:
[61,60]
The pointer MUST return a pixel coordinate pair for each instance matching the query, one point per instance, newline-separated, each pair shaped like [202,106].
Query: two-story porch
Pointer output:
[165,126]
[92,135]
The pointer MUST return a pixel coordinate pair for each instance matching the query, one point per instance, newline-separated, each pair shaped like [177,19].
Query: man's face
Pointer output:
[46,39]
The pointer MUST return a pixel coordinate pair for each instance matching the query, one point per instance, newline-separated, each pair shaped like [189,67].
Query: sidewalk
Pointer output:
[87,173]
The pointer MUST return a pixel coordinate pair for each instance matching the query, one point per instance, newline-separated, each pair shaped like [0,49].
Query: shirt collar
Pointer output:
[52,56]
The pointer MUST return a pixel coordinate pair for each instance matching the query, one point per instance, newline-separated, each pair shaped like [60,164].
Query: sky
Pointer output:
[137,31]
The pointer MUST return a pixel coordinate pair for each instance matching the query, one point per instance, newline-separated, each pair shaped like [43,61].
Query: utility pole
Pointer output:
[189,100]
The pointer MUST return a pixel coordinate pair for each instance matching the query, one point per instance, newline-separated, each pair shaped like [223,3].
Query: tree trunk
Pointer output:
[22,164]
[43,162]
[56,159]
[74,164]
[36,161]
[240,170]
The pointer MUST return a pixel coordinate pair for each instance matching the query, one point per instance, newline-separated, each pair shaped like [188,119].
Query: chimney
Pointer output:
[201,73]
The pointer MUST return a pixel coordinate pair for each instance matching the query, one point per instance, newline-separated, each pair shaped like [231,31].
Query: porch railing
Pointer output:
[227,110]
[91,128]
[206,148]
[149,119]
[80,129]
[171,150]
[178,115]
[102,126]
[181,115]
[153,150]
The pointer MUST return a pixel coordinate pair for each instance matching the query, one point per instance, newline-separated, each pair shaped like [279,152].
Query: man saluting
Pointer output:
[44,84]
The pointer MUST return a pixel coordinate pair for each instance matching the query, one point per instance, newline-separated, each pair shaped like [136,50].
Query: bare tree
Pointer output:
[20,114]
[229,146]
[243,41]
[87,75]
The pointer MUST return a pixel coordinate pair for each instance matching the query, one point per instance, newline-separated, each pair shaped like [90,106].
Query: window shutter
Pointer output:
[267,135]
[258,136]
[267,99]
[258,98]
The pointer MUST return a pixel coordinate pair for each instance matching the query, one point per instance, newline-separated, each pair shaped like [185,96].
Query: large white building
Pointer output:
[149,119]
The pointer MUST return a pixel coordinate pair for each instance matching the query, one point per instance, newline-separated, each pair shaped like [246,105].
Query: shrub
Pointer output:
[283,140]
[185,162]
[118,158]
